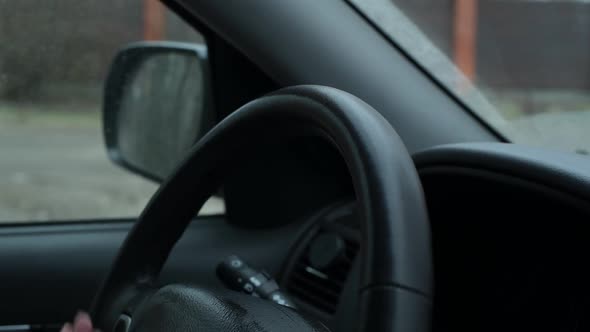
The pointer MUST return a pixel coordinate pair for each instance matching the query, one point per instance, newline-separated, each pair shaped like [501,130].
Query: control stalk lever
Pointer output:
[239,276]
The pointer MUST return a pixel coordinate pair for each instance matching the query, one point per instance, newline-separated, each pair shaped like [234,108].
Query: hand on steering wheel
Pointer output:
[82,323]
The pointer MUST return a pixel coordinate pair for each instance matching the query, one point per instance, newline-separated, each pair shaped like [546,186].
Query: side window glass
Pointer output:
[54,57]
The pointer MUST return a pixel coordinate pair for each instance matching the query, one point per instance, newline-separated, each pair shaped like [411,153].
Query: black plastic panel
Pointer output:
[295,42]
[510,231]
[47,272]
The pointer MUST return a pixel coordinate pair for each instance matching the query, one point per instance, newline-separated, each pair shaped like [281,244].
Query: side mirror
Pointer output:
[157,104]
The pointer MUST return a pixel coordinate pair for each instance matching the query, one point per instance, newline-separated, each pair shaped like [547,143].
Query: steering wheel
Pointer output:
[395,289]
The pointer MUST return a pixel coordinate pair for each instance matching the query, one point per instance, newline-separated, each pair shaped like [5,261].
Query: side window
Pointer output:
[54,57]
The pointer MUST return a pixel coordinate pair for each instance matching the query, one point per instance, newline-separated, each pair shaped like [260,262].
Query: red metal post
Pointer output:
[154,20]
[465,36]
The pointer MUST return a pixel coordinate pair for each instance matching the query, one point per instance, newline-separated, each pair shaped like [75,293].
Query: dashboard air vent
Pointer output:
[319,274]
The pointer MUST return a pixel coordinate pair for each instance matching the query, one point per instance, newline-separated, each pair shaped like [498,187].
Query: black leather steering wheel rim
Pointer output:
[396,265]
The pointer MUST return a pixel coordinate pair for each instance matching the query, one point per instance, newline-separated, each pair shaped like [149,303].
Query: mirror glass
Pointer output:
[161,112]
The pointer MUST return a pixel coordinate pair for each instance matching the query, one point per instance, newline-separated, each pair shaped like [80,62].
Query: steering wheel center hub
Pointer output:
[185,308]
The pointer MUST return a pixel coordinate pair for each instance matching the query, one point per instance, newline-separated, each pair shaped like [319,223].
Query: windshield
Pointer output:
[522,66]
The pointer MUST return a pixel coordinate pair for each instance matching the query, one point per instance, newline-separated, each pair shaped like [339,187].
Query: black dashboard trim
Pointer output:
[565,172]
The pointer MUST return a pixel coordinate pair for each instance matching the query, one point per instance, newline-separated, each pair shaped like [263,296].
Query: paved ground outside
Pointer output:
[53,166]
[557,120]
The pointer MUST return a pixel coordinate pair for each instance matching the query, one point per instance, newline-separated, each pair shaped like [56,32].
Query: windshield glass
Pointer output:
[522,66]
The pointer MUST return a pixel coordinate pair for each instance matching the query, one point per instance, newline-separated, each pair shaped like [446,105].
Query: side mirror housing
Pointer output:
[157,104]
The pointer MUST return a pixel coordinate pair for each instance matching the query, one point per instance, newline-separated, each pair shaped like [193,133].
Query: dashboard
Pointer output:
[509,230]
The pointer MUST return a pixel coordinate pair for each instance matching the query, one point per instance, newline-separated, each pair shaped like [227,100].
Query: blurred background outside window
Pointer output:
[54,57]
[523,66]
